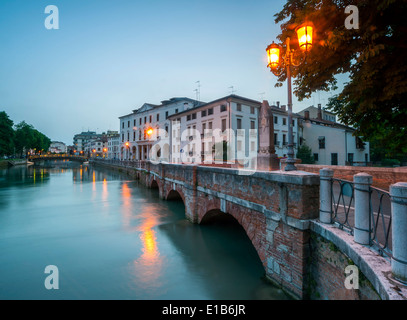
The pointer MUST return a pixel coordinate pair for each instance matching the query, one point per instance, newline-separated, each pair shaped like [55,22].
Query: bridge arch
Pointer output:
[252,222]
[175,195]
[154,184]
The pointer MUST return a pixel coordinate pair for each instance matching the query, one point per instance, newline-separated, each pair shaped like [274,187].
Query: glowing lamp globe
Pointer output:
[305,36]
[273,55]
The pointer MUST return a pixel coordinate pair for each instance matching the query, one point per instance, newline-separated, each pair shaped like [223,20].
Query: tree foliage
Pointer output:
[305,154]
[6,134]
[20,138]
[374,100]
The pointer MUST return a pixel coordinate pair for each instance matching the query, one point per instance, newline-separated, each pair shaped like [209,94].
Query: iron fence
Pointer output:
[343,213]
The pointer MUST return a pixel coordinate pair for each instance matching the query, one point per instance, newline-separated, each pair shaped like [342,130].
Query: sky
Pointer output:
[109,57]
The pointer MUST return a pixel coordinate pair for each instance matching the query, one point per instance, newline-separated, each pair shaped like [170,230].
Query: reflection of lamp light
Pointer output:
[305,33]
[150,131]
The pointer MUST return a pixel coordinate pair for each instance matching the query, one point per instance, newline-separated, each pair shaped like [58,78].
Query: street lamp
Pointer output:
[305,39]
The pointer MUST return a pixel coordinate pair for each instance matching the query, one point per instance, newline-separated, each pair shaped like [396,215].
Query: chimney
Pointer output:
[306,115]
[278,104]
[319,112]
[283,107]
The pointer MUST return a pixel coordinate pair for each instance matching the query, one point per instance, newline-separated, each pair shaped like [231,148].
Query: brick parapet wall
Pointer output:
[382,177]
[332,250]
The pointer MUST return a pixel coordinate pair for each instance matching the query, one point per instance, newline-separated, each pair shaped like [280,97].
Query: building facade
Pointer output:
[224,130]
[113,146]
[141,129]
[57,147]
[280,125]
[334,144]
[81,140]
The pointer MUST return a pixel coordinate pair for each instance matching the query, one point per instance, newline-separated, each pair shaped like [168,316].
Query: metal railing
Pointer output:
[343,201]
[380,218]
[343,213]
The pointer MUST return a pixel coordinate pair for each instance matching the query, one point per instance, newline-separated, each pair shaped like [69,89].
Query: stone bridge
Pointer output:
[273,208]
[37,158]
[280,213]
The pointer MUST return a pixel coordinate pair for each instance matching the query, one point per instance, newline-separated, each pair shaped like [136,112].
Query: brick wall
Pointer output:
[382,177]
[326,274]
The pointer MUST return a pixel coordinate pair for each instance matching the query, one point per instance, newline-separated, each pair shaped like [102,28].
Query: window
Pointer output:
[176,110]
[276,139]
[166,114]
[123,136]
[210,111]
[239,124]
[252,110]
[134,135]
[210,125]
[128,136]
[276,120]
[134,122]
[145,120]
[128,124]
[203,127]
[122,125]
[316,157]
[284,140]
[321,141]
[223,108]
[188,117]
[158,117]
[223,125]
[203,113]
[151,118]
[334,159]
[239,107]
[252,124]
[140,121]
[350,158]
[193,116]
[293,123]
[284,121]
[359,143]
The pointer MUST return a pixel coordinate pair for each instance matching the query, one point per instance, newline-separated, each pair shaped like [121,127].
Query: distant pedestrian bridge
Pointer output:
[60,156]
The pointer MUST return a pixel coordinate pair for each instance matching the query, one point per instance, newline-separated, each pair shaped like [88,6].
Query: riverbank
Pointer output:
[3,164]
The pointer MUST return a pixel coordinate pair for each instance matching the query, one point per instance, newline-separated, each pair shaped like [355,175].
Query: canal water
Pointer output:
[113,238]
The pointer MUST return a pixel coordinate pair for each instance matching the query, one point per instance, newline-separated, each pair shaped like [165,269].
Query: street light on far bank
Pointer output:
[305,40]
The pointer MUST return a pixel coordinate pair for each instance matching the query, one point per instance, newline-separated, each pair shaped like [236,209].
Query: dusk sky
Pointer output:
[109,57]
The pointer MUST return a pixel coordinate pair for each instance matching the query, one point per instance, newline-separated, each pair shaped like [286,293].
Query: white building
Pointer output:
[280,123]
[333,143]
[113,147]
[318,113]
[197,134]
[57,147]
[140,129]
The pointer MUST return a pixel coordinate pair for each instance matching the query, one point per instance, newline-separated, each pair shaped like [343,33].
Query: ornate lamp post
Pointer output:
[305,38]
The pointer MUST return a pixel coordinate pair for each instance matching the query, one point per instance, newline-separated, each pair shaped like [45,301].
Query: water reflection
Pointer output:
[140,248]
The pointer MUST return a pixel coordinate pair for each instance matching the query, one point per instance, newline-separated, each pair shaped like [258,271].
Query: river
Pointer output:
[112,238]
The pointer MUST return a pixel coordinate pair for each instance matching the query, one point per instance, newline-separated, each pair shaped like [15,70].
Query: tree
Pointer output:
[374,100]
[27,137]
[6,134]
[305,154]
